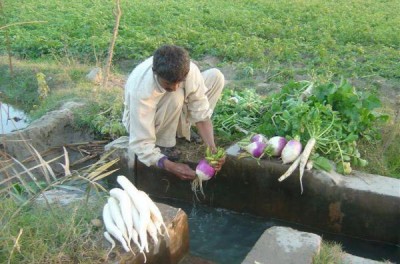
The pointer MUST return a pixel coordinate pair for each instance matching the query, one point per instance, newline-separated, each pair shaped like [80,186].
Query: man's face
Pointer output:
[169,86]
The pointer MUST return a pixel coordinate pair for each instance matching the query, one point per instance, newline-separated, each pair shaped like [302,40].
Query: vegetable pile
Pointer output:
[327,119]
[129,215]
[335,116]
[205,170]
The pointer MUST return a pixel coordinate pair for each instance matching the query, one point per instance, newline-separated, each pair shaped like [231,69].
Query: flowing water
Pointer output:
[11,119]
[223,236]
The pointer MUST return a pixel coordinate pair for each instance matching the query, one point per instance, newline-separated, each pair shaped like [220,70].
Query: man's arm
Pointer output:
[206,132]
[181,170]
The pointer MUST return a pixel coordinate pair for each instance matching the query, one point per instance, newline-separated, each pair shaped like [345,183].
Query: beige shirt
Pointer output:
[142,96]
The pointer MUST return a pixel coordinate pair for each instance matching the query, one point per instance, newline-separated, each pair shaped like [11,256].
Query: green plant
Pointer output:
[58,233]
[330,253]
[337,116]
[103,117]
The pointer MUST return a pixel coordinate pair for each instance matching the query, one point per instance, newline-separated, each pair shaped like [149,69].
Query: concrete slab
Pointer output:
[282,245]
[359,205]
[168,251]
[351,259]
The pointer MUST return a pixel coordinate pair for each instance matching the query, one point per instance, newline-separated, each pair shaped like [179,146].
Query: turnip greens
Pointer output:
[336,115]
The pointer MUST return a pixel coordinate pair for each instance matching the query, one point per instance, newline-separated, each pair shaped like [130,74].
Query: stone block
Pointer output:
[282,245]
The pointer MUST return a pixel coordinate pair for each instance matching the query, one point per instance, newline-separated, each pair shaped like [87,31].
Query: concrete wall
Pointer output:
[360,205]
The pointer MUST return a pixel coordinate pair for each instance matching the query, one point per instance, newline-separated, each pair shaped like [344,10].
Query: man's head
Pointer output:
[171,64]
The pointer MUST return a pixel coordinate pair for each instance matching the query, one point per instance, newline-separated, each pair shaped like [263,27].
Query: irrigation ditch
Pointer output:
[359,206]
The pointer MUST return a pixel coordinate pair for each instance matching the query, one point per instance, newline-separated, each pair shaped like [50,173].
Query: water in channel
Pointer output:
[11,119]
[224,236]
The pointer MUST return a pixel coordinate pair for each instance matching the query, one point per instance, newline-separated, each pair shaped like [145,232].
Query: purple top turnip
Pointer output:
[291,151]
[204,171]
[276,144]
[256,149]
[258,138]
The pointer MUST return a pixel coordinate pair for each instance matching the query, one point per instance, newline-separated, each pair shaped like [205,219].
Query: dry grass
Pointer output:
[57,233]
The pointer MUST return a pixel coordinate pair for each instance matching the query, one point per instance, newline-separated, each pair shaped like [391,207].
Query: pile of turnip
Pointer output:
[205,170]
[258,145]
[130,216]
[289,152]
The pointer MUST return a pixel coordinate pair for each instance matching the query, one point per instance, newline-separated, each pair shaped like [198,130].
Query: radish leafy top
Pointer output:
[336,115]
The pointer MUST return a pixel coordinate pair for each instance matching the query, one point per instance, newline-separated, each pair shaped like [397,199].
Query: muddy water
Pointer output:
[11,119]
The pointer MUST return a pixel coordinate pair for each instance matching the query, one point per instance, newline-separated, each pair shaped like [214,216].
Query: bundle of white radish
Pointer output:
[305,157]
[205,170]
[130,215]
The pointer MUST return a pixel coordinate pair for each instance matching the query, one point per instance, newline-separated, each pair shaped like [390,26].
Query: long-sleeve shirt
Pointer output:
[142,96]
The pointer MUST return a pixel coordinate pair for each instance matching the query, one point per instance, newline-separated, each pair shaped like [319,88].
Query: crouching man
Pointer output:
[164,96]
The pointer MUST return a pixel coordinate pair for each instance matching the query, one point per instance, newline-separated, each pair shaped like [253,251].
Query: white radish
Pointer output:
[290,170]
[135,237]
[152,230]
[304,158]
[136,222]
[127,185]
[112,228]
[144,214]
[156,215]
[141,205]
[117,216]
[109,239]
[125,206]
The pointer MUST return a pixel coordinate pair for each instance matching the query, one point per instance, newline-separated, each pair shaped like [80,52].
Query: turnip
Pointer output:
[275,146]
[256,149]
[291,151]
[204,172]
[258,138]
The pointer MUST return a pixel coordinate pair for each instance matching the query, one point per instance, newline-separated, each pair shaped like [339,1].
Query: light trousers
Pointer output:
[171,118]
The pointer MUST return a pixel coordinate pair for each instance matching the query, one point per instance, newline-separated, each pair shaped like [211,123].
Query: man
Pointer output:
[164,95]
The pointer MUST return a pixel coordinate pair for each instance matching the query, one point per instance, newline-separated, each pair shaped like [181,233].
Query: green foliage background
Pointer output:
[349,38]
[265,41]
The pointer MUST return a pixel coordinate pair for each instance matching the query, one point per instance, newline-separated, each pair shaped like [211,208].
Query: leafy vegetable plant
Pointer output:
[335,116]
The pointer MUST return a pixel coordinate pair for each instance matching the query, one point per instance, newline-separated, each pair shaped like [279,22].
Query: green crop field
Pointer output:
[262,46]
[340,38]
[267,42]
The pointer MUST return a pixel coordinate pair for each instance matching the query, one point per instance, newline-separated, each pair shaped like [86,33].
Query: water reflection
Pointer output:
[11,119]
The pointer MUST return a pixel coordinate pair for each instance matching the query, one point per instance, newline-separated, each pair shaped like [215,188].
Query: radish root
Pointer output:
[300,162]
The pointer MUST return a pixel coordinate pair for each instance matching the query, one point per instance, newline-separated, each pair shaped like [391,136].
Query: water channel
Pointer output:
[224,236]
[11,119]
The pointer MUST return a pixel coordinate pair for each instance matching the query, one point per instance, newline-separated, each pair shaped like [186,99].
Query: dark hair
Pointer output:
[171,63]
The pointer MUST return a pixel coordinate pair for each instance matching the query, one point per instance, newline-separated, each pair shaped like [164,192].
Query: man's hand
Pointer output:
[181,170]
[218,166]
